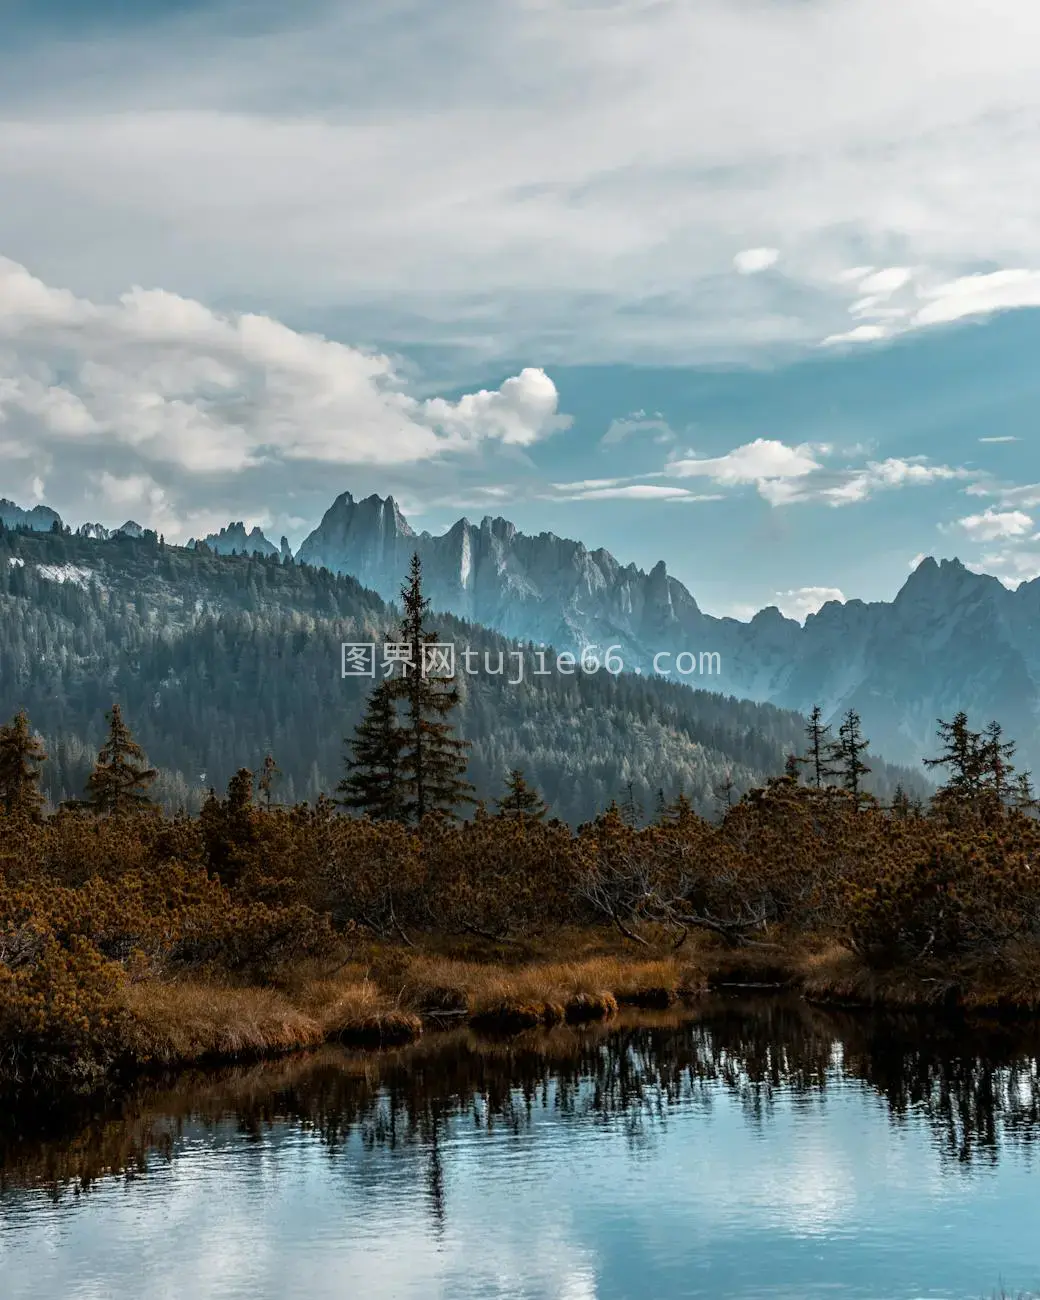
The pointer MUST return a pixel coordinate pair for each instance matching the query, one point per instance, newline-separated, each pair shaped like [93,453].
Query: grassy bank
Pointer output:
[384,995]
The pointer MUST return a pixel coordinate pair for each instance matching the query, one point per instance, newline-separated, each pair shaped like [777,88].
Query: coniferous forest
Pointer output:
[222,660]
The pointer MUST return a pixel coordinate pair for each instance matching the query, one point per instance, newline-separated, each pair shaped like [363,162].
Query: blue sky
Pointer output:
[751,286]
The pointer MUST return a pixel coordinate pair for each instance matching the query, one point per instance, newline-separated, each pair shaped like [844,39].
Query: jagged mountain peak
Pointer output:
[234,540]
[41,519]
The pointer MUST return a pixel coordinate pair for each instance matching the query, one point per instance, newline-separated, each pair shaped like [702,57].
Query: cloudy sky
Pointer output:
[747,285]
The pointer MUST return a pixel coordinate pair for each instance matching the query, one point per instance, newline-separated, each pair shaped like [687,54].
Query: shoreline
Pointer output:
[386,996]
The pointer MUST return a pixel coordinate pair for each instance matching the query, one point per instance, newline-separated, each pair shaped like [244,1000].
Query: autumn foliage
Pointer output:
[97,903]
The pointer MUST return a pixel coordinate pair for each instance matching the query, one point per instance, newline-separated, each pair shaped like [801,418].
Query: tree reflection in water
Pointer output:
[976,1086]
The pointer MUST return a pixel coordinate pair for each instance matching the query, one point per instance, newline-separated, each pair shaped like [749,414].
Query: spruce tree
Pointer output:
[434,759]
[521,800]
[21,754]
[962,756]
[631,807]
[121,775]
[375,782]
[995,755]
[851,743]
[821,754]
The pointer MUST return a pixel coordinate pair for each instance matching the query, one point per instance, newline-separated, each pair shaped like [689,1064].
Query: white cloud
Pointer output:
[979,295]
[155,385]
[801,601]
[638,424]
[995,525]
[1007,437]
[1012,567]
[509,178]
[1022,496]
[752,260]
[762,459]
[859,334]
[882,284]
[625,490]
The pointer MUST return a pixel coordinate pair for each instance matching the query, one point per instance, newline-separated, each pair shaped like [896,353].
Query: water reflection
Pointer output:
[976,1085]
[748,1147]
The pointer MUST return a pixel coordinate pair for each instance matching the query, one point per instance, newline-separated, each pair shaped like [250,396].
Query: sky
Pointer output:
[750,286]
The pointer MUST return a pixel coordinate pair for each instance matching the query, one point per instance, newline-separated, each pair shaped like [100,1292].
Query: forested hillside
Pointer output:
[218,660]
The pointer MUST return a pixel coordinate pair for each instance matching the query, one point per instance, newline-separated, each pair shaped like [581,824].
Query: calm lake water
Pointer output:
[747,1148]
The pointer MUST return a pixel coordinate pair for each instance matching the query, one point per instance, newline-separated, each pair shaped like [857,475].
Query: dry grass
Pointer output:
[380,997]
[511,998]
[185,1021]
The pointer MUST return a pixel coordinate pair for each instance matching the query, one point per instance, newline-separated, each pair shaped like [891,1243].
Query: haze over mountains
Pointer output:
[950,639]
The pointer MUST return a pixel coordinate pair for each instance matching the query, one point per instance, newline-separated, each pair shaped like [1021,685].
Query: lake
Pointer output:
[747,1147]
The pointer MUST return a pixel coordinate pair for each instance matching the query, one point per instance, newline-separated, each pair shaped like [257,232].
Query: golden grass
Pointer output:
[381,996]
[185,1021]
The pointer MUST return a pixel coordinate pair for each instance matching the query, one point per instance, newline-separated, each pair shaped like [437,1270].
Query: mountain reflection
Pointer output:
[976,1086]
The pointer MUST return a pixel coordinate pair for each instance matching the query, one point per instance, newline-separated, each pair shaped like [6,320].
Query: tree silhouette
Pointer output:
[851,743]
[434,759]
[821,754]
[521,800]
[21,754]
[121,774]
[375,782]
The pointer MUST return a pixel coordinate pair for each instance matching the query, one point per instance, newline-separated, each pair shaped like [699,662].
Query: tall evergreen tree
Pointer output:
[521,800]
[631,807]
[121,775]
[995,755]
[819,759]
[851,743]
[375,782]
[962,756]
[434,759]
[21,754]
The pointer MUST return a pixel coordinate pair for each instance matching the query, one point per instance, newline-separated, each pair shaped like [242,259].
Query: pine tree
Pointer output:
[521,800]
[121,775]
[901,805]
[631,808]
[962,756]
[851,743]
[995,755]
[1023,796]
[791,762]
[820,758]
[21,754]
[375,782]
[434,759]
[269,774]
[679,812]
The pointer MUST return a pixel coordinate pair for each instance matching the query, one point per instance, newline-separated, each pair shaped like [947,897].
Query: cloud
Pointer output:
[979,295]
[801,601]
[625,490]
[753,260]
[1012,567]
[785,475]
[994,525]
[1021,496]
[945,301]
[153,386]
[1007,437]
[505,178]
[638,424]
[763,459]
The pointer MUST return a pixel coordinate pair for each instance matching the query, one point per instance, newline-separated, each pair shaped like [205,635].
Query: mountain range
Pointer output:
[951,638]
[218,660]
